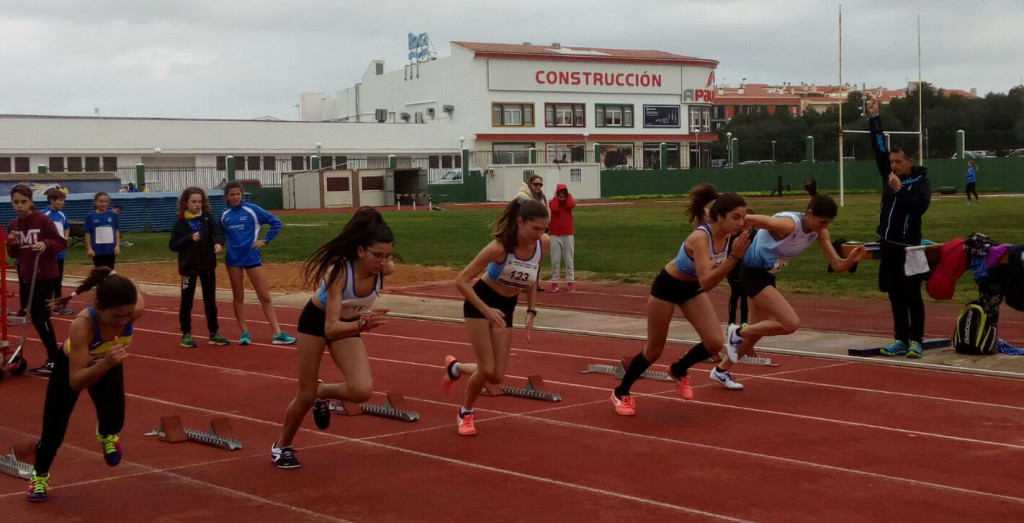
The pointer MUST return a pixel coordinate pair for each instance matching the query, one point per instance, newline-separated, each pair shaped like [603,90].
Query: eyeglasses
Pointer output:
[537,184]
[380,256]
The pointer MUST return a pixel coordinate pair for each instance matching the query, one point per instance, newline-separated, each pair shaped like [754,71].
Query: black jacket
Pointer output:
[196,256]
[899,218]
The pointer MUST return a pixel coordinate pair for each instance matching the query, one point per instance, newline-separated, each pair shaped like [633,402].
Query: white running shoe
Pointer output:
[732,342]
[725,378]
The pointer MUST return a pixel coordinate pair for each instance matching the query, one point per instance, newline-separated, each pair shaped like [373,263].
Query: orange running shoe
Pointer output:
[683,386]
[466,427]
[624,406]
[447,382]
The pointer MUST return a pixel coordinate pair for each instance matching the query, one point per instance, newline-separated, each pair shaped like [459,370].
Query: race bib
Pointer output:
[779,264]
[104,235]
[518,273]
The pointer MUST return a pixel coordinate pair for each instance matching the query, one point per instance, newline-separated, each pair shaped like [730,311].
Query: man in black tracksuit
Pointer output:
[906,194]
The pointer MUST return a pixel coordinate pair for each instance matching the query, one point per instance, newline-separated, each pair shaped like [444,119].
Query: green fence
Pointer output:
[994,175]
[270,198]
[472,189]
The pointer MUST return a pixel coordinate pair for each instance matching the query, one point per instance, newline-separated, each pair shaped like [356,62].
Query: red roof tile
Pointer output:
[543,52]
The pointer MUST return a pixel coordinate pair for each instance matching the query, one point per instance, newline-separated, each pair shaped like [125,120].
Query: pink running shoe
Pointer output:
[625,406]
[447,382]
[466,427]
[554,287]
[572,286]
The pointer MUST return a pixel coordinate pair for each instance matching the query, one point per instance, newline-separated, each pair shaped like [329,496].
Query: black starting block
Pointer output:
[19,462]
[533,390]
[219,435]
[928,343]
[394,407]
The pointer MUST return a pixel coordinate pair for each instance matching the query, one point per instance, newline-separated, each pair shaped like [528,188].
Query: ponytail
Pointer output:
[112,290]
[365,228]
[723,204]
[821,205]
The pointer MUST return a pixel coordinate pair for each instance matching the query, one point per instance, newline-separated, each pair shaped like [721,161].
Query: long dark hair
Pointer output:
[506,227]
[703,194]
[365,228]
[233,184]
[821,205]
[112,290]
[186,194]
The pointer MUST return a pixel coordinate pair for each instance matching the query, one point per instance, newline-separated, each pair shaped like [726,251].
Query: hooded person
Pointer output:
[563,239]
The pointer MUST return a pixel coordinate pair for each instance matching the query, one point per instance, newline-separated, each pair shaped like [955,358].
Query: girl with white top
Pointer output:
[781,236]
[704,259]
[351,270]
[512,263]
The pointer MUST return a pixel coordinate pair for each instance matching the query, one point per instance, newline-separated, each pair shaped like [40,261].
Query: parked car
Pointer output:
[451,177]
[976,154]
[719,162]
[1016,153]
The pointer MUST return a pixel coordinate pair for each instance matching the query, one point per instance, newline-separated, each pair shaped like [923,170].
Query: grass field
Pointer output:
[627,242]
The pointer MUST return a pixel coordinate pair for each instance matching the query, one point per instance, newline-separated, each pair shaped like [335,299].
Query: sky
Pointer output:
[241,59]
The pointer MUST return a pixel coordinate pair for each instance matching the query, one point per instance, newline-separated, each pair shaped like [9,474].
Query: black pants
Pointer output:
[104,260]
[208,280]
[904,293]
[40,312]
[107,395]
[971,190]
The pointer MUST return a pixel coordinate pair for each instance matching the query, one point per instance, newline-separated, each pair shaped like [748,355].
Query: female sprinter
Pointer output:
[351,270]
[704,259]
[779,237]
[92,357]
[512,261]
[241,222]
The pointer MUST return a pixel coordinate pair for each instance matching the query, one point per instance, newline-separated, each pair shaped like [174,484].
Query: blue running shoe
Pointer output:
[915,350]
[244,338]
[111,448]
[282,338]
[896,348]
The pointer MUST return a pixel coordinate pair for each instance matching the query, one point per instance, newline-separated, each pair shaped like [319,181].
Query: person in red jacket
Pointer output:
[33,234]
[563,242]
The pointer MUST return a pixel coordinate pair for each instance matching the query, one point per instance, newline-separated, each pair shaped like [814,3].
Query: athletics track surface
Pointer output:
[813,440]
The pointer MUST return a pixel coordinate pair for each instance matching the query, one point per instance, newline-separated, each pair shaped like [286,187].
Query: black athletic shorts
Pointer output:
[313,319]
[673,290]
[753,281]
[491,298]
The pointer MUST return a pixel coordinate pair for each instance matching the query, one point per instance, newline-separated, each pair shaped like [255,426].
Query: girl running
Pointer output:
[350,269]
[92,359]
[102,233]
[780,237]
[704,259]
[198,239]
[241,222]
[512,261]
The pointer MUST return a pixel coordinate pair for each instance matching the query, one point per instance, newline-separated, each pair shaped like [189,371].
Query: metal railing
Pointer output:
[208,177]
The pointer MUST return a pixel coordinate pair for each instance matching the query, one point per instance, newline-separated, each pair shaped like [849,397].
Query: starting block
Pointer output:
[394,407]
[219,435]
[533,390]
[19,462]
[927,343]
[619,371]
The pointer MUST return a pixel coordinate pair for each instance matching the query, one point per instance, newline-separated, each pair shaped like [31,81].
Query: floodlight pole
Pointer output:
[842,194]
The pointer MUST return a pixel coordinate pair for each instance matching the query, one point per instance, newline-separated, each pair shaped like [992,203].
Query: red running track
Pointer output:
[813,440]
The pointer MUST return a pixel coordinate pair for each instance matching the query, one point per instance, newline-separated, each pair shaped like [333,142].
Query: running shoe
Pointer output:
[572,286]
[37,487]
[733,341]
[683,386]
[554,287]
[217,339]
[188,342]
[448,381]
[321,413]
[896,348]
[244,338]
[68,311]
[45,370]
[111,448]
[723,377]
[466,427]
[915,350]
[282,338]
[284,457]
[624,406]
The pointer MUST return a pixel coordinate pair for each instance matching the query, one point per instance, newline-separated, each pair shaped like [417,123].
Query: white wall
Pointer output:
[506,180]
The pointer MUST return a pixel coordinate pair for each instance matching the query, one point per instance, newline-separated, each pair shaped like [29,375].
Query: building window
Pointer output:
[269,163]
[515,115]
[616,155]
[511,153]
[434,162]
[74,165]
[92,164]
[253,163]
[652,156]
[564,115]
[222,163]
[700,119]
[576,175]
[298,163]
[5,165]
[110,164]
[239,162]
[613,115]
[565,152]
[341,162]
[21,164]
[56,164]
[527,174]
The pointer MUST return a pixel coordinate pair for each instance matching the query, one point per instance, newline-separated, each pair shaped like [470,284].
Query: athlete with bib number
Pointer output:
[512,262]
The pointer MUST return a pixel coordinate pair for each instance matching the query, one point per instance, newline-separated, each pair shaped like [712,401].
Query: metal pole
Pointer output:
[842,194]
[920,97]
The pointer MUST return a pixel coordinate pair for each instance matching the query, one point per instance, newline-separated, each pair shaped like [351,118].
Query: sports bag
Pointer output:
[974,333]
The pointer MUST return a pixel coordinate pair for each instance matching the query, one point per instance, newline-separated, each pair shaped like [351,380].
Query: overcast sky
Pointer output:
[250,58]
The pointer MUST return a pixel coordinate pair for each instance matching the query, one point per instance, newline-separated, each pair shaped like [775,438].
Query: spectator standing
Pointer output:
[198,239]
[563,240]
[102,232]
[972,179]
[533,190]
[54,211]
[906,194]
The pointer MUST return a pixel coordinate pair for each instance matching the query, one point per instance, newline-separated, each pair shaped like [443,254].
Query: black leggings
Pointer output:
[971,190]
[107,395]
[104,260]
[904,293]
[40,313]
[208,280]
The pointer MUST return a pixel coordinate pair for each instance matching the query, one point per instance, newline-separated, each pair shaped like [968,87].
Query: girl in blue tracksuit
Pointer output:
[241,222]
